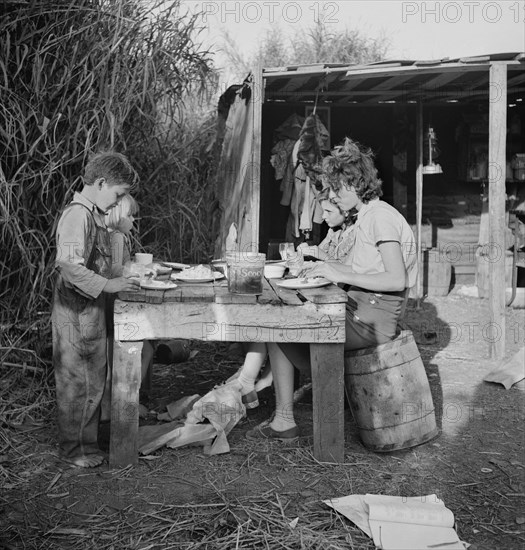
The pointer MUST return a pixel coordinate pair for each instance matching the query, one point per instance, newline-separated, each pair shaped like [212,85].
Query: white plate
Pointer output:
[217,275]
[312,282]
[175,265]
[157,285]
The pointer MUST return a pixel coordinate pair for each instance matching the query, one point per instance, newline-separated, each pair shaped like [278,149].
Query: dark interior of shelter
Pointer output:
[452,200]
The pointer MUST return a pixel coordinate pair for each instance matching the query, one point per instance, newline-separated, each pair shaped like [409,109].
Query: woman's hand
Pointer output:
[392,279]
[333,271]
[122,284]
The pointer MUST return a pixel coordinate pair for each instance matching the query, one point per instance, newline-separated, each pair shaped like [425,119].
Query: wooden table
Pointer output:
[207,311]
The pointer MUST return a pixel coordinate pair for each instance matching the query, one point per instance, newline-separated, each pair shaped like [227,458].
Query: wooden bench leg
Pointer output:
[123,443]
[328,401]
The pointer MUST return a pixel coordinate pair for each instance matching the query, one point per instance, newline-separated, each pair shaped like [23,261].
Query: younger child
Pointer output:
[83,263]
[338,241]
[119,221]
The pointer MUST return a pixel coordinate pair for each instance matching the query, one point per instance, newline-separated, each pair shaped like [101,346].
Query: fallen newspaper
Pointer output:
[401,523]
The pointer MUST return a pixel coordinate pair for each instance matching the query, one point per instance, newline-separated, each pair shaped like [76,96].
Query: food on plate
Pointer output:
[309,280]
[303,282]
[139,271]
[198,272]
[175,265]
[161,269]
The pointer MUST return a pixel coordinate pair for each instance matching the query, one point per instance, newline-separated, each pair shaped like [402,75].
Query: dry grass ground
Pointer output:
[249,498]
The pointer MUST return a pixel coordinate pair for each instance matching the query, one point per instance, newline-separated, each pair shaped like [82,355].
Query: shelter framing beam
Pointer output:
[497,160]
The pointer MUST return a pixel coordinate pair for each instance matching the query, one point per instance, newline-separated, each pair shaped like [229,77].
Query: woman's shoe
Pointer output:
[250,400]
[265,431]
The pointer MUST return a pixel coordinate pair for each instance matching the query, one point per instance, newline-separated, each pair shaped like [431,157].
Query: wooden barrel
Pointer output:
[389,395]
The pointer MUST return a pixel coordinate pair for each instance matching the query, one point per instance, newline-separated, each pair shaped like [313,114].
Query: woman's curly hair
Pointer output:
[352,164]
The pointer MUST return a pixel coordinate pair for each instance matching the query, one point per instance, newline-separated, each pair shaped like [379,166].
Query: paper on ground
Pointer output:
[355,508]
[401,523]
[511,372]
[179,409]
[412,525]
[222,407]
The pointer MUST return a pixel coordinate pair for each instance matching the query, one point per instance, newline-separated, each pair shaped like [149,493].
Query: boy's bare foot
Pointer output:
[85,461]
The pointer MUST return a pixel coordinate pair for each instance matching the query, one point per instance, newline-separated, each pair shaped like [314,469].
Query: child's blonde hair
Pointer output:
[126,206]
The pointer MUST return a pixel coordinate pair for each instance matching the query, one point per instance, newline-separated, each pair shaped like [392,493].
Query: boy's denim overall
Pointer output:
[79,352]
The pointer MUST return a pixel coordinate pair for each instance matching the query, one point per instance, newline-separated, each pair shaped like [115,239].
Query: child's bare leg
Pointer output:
[265,379]
[283,378]
[253,362]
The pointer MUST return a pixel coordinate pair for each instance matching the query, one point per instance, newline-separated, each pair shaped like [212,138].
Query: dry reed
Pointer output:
[77,77]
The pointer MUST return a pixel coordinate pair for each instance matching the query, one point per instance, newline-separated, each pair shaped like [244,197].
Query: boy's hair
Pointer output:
[114,167]
[350,164]
[126,206]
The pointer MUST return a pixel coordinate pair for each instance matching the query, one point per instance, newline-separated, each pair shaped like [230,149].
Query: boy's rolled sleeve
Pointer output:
[74,244]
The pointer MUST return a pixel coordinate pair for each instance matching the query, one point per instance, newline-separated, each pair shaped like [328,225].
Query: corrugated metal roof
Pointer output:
[463,79]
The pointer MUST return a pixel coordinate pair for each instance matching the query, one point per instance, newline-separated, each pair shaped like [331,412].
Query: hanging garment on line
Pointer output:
[304,207]
[314,139]
[290,128]
[288,181]
[280,157]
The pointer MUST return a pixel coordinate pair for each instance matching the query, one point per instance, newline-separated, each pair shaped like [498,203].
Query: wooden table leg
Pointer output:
[123,442]
[328,401]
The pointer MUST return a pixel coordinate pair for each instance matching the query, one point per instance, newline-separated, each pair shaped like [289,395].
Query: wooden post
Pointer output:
[497,160]
[258,98]
[328,401]
[399,159]
[419,201]
[123,444]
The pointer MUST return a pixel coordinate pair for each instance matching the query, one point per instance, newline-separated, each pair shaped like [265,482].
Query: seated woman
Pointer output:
[377,273]
[335,247]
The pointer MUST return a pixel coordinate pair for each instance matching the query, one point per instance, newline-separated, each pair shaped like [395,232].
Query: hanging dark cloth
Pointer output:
[314,141]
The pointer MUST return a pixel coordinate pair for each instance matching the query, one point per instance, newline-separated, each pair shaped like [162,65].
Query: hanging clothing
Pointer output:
[314,139]
[304,207]
[285,139]
[293,162]
[290,128]
[280,157]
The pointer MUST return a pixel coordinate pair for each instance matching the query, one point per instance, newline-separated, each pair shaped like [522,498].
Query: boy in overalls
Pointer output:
[83,262]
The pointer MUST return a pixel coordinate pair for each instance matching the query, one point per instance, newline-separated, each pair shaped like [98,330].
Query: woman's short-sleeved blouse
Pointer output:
[377,222]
